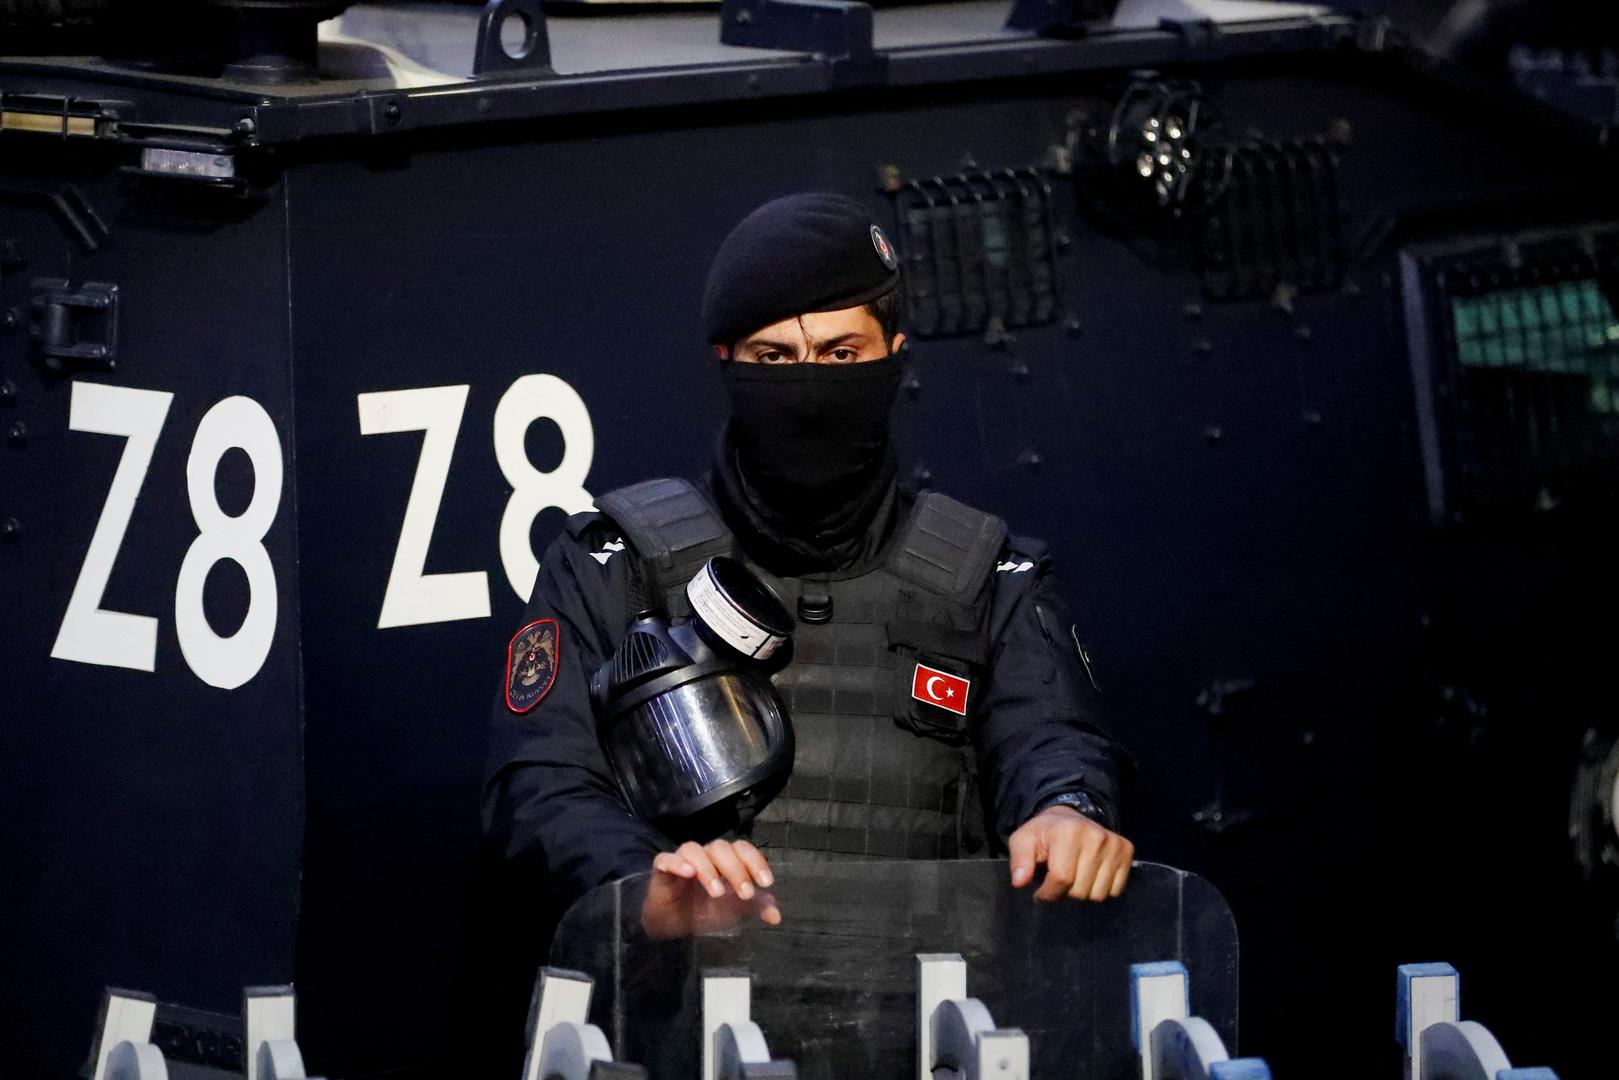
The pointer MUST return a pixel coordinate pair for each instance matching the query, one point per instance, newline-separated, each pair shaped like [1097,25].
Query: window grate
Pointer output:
[978,252]
[1515,346]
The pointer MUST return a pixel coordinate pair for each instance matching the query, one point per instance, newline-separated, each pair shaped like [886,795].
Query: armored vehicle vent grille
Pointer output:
[1271,217]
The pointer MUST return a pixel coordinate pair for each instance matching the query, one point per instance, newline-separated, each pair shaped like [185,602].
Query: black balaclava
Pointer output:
[805,461]
[806,456]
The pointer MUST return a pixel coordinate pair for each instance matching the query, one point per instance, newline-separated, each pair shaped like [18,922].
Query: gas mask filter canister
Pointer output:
[688,717]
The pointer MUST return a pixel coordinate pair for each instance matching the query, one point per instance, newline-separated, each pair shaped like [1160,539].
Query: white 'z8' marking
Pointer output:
[412,597]
[89,634]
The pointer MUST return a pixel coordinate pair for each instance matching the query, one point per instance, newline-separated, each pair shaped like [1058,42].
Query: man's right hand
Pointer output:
[704,888]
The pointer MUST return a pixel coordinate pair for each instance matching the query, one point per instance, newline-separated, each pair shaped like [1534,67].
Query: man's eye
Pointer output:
[844,356]
[771,357]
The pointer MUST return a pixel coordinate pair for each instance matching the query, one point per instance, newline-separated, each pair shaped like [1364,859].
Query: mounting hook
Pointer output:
[533,53]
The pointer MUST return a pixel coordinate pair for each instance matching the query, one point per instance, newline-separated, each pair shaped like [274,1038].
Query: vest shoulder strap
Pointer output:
[948,548]
[673,531]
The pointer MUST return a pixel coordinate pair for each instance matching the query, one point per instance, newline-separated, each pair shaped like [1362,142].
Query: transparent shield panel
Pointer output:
[834,984]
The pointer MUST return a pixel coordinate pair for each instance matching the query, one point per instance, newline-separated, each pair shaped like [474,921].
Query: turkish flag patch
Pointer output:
[940,688]
[531,664]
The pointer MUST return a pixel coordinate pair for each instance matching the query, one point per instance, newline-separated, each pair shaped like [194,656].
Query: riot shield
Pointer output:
[834,985]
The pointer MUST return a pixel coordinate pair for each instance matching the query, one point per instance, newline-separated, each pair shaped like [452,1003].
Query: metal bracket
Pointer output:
[836,30]
[74,324]
[1060,18]
[531,57]
[1196,32]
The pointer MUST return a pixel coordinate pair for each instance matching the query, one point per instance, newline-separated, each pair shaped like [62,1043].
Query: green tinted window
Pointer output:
[1562,330]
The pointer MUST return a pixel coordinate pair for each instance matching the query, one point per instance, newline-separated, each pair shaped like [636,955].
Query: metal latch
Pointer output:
[74,324]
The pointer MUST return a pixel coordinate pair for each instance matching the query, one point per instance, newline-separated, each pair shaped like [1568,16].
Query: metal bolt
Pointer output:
[1074,327]
[246,126]
[8,393]
[17,433]
[1213,433]
[1301,332]
[10,319]
[10,529]
[1020,372]
[1063,240]
[391,114]
[912,386]
[1193,310]
[1202,346]
[1312,417]
[1031,460]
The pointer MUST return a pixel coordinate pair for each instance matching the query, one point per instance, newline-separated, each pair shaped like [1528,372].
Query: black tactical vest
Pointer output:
[879,772]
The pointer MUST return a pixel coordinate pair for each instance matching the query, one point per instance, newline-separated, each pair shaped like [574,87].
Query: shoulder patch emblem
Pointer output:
[531,664]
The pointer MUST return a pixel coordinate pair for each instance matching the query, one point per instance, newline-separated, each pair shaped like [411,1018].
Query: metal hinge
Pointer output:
[74,324]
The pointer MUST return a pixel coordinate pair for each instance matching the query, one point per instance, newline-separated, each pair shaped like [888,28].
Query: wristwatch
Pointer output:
[1081,802]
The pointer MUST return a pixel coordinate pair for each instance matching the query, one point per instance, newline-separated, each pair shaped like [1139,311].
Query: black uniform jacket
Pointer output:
[550,802]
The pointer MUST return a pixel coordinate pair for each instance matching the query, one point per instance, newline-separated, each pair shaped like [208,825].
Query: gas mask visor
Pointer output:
[688,717]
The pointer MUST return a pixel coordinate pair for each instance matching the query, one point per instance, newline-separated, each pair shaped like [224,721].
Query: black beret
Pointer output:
[800,253]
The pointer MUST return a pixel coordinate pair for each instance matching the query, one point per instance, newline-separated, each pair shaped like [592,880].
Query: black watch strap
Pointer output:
[1081,802]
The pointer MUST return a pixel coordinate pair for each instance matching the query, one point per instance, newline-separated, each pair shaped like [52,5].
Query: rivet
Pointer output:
[10,529]
[17,433]
[1213,433]
[1074,327]
[8,392]
[1193,310]
[1202,346]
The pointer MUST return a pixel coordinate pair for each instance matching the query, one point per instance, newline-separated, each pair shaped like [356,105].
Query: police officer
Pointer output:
[941,703]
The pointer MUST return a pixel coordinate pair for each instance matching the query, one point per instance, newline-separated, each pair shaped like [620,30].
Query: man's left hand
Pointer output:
[1083,860]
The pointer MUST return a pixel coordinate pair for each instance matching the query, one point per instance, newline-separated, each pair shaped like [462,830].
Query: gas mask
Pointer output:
[688,716]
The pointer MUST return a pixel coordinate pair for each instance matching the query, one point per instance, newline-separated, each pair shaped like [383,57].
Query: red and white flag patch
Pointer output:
[940,688]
